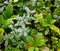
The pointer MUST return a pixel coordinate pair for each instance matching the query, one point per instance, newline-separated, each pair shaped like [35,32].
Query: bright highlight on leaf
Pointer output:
[56,29]
[38,15]
[16,0]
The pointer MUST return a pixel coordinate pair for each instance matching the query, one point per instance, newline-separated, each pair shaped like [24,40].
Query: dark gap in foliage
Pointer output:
[2,47]
[15,9]
[18,27]
[1,13]
[52,9]
[48,36]
[14,46]
[14,12]
[32,24]
[15,21]
[57,24]
[58,36]
[8,30]
[46,3]
[52,2]
[2,1]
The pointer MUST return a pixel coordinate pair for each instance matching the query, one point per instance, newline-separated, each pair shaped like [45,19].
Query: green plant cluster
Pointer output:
[29,25]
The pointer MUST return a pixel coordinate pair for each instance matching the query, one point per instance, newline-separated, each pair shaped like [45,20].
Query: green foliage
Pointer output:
[36,49]
[12,49]
[40,39]
[48,20]
[4,23]
[31,49]
[30,40]
[9,10]
[1,30]
[30,25]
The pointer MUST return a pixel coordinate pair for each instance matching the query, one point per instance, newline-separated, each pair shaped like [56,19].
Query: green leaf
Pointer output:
[39,35]
[40,39]
[1,19]
[44,23]
[36,49]
[7,49]
[31,49]
[1,38]
[9,10]
[52,21]
[9,21]
[30,40]
[48,17]
[40,42]
[1,30]
[57,10]
[58,45]
[56,29]
[15,49]
[33,31]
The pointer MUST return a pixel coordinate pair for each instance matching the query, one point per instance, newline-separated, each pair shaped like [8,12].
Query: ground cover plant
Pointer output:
[29,25]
